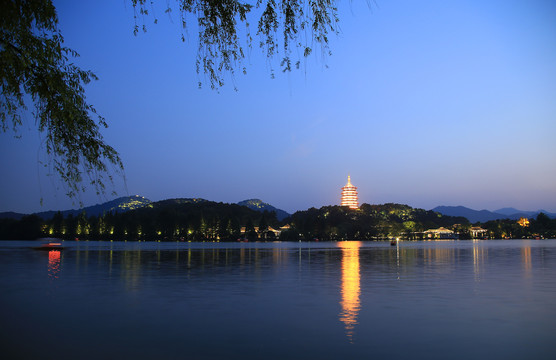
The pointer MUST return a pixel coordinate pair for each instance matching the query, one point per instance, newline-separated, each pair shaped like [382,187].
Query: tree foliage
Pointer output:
[36,68]
[169,220]
[367,222]
[542,226]
[225,30]
[37,73]
[202,220]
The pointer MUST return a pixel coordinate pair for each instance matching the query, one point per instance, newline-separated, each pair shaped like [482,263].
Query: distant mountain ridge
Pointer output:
[11,215]
[121,204]
[126,203]
[259,205]
[486,215]
[522,213]
[181,201]
[510,211]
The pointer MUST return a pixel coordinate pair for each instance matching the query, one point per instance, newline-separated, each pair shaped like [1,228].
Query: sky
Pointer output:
[423,103]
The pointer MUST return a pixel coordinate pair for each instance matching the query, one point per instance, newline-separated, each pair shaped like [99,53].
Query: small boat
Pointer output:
[394,242]
[50,245]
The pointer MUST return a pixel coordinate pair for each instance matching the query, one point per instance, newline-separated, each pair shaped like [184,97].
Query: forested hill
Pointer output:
[485,215]
[121,204]
[368,222]
[172,219]
[203,220]
[259,205]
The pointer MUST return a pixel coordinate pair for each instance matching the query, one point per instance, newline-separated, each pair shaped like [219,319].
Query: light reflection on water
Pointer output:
[351,285]
[480,254]
[54,263]
[456,299]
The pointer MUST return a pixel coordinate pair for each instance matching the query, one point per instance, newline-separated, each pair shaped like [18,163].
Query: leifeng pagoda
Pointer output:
[349,195]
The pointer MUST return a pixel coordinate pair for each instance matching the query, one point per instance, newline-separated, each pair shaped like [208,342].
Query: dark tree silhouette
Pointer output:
[225,31]
[37,72]
[36,69]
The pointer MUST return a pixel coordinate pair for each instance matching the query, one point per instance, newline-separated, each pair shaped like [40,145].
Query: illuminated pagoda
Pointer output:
[349,195]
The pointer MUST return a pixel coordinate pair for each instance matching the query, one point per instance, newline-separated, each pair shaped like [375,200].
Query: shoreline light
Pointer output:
[349,195]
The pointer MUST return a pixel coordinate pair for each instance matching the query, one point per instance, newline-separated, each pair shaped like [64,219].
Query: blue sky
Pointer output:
[424,103]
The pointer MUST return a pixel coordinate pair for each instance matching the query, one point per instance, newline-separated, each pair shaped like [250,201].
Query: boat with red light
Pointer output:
[48,245]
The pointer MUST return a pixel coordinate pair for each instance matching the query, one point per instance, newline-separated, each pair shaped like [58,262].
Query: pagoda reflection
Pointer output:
[351,286]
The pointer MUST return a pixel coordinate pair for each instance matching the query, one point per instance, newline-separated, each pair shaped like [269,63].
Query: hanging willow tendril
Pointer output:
[36,69]
[224,31]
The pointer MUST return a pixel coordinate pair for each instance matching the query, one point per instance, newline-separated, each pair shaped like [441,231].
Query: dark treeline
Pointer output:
[208,221]
[187,220]
[367,223]
[165,220]
[542,227]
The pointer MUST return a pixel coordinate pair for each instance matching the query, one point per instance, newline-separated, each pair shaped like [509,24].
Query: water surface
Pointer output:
[434,300]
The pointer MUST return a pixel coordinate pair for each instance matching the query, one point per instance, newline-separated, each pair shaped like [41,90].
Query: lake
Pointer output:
[492,299]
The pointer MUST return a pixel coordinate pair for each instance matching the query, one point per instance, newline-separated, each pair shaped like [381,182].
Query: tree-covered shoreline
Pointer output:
[187,220]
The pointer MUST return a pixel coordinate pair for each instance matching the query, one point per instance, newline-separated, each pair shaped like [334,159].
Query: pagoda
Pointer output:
[349,195]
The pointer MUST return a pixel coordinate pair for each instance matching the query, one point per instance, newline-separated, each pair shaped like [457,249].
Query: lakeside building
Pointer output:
[478,232]
[349,195]
[269,229]
[440,233]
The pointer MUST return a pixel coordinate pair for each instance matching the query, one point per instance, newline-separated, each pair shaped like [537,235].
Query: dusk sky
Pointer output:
[423,103]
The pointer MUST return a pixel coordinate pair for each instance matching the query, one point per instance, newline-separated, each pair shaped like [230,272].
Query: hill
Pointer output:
[485,215]
[368,222]
[178,201]
[259,205]
[470,214]
[119,205]
[508,211]
[11,215]
[513,213]
[172,219]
